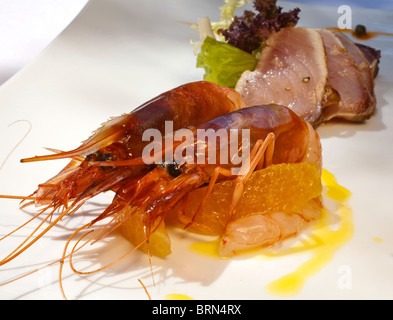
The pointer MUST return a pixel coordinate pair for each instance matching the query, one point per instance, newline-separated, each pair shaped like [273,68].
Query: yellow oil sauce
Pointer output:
[331,232]
[177,296]
[208,248]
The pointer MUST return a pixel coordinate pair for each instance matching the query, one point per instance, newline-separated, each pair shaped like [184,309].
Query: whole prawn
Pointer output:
[118,139]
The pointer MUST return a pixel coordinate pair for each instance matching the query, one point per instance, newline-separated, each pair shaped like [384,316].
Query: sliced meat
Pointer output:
[350,75]
[291,71]
[372,55]
[363,63]
[319,74]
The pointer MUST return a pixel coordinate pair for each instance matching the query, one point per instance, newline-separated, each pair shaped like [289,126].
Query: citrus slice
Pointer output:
[279,188]
[133,229]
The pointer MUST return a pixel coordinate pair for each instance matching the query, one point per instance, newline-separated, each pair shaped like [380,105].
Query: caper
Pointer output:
[360,30]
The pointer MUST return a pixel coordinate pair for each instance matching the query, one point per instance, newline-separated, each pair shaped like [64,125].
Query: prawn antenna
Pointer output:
[56,156]
[5,196]
[88,147]
[120,163]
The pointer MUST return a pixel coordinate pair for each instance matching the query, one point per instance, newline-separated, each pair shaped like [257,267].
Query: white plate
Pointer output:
[118,54]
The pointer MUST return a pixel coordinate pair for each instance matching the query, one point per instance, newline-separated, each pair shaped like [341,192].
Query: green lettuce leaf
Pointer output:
[223,63]
[227,14]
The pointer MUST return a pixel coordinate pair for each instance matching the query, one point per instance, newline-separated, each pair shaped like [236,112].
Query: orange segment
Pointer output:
[281,188]
[285,188]
[133,230]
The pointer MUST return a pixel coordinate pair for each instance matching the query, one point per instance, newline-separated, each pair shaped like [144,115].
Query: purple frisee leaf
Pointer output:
[251,30]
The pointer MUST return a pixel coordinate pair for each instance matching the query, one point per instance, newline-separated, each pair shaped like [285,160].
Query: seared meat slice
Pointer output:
[291,71]
[319,74]
[372,55]
[363,63]
[349,73]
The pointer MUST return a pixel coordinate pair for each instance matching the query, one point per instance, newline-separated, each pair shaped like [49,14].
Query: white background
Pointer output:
[27,27]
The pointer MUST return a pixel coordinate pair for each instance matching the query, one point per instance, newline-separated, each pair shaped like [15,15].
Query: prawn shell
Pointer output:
[292,135]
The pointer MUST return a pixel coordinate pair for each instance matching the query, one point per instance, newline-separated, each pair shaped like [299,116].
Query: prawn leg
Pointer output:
[261,156]
[217,171]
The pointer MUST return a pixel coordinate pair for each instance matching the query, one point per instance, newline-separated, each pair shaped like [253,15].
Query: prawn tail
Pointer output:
[235,97]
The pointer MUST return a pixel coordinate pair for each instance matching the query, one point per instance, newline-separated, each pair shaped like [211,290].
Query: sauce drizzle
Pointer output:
[325,239]
[177,296]
[368,35]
